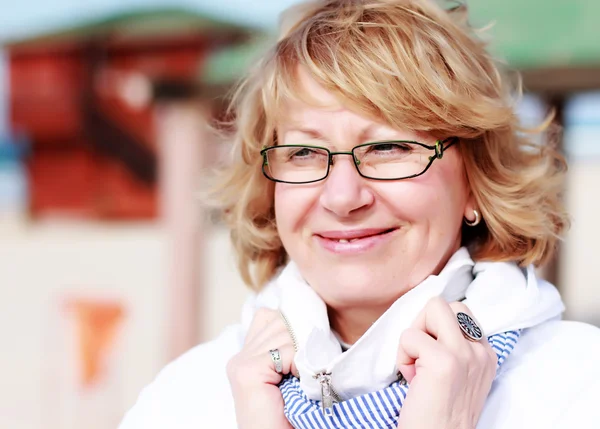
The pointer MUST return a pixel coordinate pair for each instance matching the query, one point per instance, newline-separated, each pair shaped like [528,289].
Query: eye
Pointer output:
[302,152]
[389,148]
[387,151]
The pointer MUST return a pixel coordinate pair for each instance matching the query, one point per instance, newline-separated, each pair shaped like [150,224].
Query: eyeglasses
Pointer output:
[384,160]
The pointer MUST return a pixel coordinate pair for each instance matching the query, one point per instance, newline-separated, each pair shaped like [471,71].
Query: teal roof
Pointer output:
[230,63]
[134,24]
[541,33]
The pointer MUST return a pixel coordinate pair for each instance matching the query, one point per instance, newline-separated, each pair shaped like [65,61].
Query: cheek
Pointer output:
[281,203]
[292,204]
[439,194]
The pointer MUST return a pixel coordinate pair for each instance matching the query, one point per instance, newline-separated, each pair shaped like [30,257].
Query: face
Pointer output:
[393,233]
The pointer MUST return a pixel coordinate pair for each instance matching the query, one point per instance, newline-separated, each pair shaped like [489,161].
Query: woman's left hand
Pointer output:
[450,377]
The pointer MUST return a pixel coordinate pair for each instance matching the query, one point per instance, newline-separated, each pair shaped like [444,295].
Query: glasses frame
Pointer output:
[438,148]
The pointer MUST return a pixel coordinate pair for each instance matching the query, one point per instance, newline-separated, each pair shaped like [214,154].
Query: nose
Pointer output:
[345,191]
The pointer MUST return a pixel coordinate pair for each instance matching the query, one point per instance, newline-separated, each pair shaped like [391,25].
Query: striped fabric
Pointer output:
[374,410]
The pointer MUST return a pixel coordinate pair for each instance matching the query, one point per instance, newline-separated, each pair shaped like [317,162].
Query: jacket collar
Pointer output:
[501,296]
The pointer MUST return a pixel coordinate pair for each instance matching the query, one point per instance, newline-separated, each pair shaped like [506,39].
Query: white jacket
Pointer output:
[551,379]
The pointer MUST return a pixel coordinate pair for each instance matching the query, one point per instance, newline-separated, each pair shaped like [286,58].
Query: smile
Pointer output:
[354,241]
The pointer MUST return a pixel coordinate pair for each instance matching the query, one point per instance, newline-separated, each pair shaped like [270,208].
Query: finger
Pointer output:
[250,370]
[482,348]
[262,318]
[439,320]
[276,341]
[286,353]
[267,342]
[275,328]
[459,307]
[415,344]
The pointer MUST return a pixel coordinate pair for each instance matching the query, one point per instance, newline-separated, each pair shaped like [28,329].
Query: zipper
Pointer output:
[328,394]
[290,330]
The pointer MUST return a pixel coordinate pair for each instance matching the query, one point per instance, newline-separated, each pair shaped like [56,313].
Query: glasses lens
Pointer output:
[296,164]
[391,160]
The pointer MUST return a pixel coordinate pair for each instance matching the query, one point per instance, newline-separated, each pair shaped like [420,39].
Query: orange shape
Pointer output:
[96,324]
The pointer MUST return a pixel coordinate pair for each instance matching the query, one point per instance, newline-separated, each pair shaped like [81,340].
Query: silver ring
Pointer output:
[276,358]
[469,327]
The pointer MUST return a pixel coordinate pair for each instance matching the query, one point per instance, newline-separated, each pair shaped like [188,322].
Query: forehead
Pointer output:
[313,105]
[309,100]
[315,108]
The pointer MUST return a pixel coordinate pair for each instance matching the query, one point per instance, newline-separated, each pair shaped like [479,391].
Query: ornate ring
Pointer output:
[469,327]
[276,358]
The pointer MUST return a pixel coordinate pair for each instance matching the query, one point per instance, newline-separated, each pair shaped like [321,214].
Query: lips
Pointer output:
[350,236]
[354,242]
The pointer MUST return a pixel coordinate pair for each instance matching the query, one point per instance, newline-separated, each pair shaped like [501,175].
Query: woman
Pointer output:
[388,211]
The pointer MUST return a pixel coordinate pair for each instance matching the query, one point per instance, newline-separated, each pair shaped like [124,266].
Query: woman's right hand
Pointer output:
[252,375]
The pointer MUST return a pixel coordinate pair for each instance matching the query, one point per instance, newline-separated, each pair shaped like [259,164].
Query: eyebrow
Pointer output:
[308,131]
[316,134]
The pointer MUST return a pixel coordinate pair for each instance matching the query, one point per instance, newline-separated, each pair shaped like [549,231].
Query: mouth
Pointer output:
[354,236]
[354,242]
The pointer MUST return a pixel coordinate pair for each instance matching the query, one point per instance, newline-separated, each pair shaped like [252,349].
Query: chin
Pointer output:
[355,287]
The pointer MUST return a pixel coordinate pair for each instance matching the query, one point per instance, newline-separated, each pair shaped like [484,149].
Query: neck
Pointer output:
[351,323]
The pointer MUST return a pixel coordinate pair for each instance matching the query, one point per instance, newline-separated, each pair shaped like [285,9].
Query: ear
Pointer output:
[470,206]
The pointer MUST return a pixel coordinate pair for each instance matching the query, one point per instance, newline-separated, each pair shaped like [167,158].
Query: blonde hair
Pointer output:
[412,64]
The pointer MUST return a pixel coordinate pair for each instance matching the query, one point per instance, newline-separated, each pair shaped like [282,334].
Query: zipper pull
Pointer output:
[327,398]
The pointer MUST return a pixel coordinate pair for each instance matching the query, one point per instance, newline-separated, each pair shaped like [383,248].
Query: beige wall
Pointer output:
[43,264]
[225,293]
[580,259]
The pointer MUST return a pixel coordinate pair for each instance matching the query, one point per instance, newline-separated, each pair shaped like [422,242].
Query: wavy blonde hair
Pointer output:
[412,64]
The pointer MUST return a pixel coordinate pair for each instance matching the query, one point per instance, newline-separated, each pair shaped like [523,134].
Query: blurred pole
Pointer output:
[181,128]
[4,92]
[556,103]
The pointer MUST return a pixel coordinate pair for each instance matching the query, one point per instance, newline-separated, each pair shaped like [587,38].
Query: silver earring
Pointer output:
[476,221]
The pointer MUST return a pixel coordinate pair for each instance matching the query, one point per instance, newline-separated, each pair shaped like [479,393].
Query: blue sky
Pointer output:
[26,17]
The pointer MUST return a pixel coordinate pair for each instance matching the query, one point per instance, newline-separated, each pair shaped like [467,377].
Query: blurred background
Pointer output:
[109,268]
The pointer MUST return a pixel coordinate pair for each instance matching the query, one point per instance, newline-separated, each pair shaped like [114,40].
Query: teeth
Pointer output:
[343,240]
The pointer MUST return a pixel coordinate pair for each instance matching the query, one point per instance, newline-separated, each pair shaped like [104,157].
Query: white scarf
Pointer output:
[501,296]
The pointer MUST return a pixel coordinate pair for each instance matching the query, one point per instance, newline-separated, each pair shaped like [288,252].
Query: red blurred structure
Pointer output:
[85,100]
